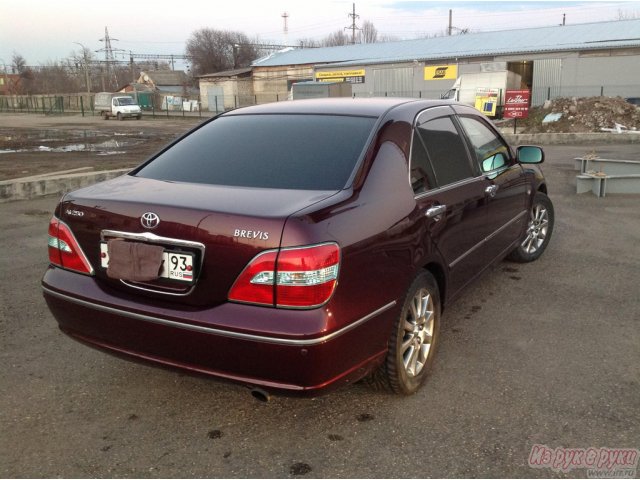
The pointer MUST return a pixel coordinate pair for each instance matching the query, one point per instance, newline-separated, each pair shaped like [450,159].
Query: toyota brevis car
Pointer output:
[297,246]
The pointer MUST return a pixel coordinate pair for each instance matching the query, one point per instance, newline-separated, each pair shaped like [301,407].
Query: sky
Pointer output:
[43,30]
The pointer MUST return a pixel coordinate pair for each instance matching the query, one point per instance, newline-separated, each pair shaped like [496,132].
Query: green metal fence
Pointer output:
[174,105]
[154,105]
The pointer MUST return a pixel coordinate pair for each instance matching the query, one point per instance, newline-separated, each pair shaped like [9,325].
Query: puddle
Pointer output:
[64,141]
[47,135]
[106,147]
[95,142]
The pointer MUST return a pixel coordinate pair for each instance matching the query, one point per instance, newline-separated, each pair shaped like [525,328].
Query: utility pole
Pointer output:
[133,72]
[353,27]
[285,29]
[450,22]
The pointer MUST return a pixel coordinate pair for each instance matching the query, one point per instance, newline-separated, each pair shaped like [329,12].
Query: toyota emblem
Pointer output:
[150,220]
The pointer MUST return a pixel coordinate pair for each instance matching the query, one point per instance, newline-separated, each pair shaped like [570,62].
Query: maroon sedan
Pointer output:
[297,246]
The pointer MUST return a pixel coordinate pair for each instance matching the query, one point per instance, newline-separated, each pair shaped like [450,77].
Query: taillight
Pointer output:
[298,277]
[64,250]
[255,283]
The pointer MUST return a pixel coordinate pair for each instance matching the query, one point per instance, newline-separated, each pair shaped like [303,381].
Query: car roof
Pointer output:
[371,107]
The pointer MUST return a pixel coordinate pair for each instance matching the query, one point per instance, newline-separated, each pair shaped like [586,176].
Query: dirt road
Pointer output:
[36,144]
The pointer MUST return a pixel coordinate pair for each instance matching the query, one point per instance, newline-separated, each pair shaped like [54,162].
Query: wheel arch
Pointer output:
[438,273]
[543,188]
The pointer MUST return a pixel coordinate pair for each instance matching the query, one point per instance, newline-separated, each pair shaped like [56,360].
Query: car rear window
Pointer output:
[305,152]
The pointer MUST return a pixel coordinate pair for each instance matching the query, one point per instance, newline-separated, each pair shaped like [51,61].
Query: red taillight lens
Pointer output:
[260,291]
[307,276]
[64,250]
[54,244]
[300,277]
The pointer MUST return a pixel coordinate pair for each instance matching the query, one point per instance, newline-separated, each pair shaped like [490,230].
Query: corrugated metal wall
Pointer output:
[393,82]
[547,81]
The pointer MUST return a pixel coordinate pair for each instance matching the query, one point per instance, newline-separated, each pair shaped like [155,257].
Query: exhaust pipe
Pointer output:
[260,395]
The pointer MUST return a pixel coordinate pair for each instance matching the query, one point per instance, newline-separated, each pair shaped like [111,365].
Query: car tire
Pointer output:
[139,117]
[119,116]
[538,233]
[104,116]
[413,341]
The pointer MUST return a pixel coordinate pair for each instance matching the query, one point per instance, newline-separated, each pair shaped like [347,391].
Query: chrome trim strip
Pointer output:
[151,237]
[222,333]
[449,186]
[163,292]
[506,225]
[467,253]
[485,240]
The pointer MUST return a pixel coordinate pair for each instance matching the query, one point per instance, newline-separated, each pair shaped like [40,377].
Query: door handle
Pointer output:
[491,190]
[436,212]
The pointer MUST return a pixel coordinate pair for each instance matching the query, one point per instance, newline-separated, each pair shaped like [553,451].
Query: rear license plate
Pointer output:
[175,265]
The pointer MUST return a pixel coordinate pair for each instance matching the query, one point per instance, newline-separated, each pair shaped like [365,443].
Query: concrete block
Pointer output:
[31,187]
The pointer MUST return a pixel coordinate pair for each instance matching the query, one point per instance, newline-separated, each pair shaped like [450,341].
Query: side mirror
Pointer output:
[530,154]
[493,162]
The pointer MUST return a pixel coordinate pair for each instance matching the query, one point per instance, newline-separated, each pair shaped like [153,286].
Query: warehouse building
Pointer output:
[575,60]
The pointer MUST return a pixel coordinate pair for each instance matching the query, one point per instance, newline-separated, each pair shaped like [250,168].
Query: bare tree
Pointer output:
[368,32]
[218,50]
[308,43]
[387,38]
[18,63]
[19,66]
[55,78]
[445,33]
[151,65]
[335,39]
[81,60]
[626,15]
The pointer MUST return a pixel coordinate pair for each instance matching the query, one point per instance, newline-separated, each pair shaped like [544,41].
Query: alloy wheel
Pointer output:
[537,229]
[418,333]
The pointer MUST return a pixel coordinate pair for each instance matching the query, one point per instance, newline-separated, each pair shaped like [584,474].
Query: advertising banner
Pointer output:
[349,76]
[441,72]
[516,103]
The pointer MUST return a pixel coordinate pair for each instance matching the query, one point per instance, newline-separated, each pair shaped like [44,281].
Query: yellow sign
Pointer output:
[441,72]
[339,74]
[487,100]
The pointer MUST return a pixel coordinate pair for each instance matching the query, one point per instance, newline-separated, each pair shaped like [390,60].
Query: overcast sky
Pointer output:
[45,30]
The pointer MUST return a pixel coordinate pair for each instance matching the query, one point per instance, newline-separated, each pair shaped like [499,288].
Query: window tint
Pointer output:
[422,176]
[446,151]
[307,152]
[490,150]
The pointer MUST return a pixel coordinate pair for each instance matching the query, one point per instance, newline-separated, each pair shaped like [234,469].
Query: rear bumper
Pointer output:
[203,341]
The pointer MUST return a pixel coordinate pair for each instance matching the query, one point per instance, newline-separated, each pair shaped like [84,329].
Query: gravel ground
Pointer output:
[543,353]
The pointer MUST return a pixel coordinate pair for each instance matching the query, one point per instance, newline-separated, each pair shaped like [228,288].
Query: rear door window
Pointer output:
[305,152]
[422,176]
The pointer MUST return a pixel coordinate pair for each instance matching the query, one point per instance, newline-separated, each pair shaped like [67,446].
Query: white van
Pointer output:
[116,105]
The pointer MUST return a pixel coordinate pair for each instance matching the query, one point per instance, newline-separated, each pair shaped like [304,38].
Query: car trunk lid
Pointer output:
[220,228]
